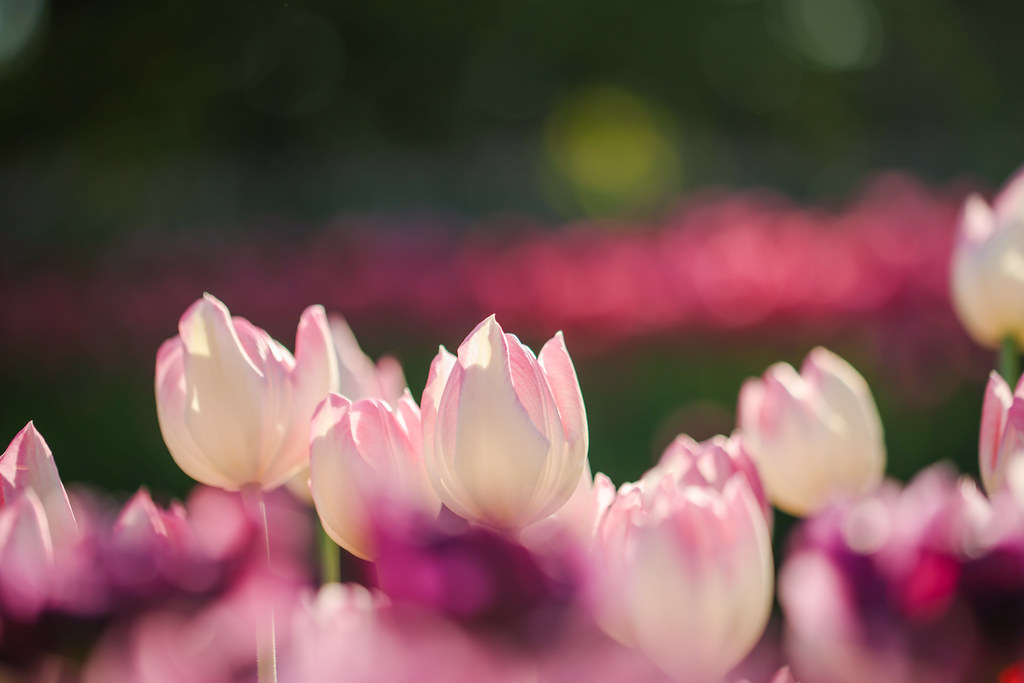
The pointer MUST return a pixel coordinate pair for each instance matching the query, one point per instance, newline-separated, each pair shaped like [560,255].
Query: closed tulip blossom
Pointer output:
[988,266]
[717,459]
[686,571]
[39,536]
[815,436]
[366,457]
[354,375]
[504,431]
[233,404]
[1001,438]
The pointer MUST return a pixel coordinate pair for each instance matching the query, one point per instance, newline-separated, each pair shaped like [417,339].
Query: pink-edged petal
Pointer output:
[391,379]
[225,392]
[565,387]
[170,409]
[339,477]
[977,222]
[26,556]
[357,373]
[497,452]
[316,362]
[1008,206]
[28,464]
[437,379]
[994,408]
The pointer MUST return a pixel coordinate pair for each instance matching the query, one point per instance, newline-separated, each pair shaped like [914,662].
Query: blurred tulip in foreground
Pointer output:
[686,570]
[919,584]
[815,436]
[348,633]
[367,458]
[988,266]
[38,531]
[504,431]
[234,405]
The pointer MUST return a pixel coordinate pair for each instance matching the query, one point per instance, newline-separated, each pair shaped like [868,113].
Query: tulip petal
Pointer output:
[357,373]
[565,387]
[994,408]
[26,556]
[494,447]
[171,401]
[28,464]
[225,391]
[338,475]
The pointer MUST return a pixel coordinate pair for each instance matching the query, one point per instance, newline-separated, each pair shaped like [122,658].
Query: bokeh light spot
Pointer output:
[834,34]
[615,151]
[20,22]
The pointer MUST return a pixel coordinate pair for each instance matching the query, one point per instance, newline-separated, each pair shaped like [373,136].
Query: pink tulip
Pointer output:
[37,526]
[713,462]
[504,431]
[1001,439]
[816,436]
[348,633]
[685,571]
[367,456]
[988,266]
[353,375]
[233,404]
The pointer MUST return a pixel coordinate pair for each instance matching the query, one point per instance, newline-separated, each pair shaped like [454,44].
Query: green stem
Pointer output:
[1009,361]
[330,558]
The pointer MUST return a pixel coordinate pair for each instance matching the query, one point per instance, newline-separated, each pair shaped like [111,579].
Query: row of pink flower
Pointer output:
[496,554]
[721,263]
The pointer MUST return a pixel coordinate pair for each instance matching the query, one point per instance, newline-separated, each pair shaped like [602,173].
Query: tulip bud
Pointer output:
[685,572]
[354,375]
[714,460]
[504,431]
[815,436]
[364,455]
[37,526]
[988,266]
[1001,439]
[233,404]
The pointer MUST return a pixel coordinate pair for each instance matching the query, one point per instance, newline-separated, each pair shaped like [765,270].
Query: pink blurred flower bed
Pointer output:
[720,264]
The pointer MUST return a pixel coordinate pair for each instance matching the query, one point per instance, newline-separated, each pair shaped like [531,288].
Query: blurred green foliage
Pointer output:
[124,118]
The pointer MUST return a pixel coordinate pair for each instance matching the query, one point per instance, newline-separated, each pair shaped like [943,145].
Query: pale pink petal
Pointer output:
[28,464]
[357,373]
[391,378]
[1008,206]
[998,400]
[224,390]
[170,410]
[26,556]
[497,447]
[316,363]
[565,387]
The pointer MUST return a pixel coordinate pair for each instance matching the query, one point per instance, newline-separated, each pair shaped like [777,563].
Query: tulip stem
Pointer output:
[1009,360]
[330,558]
[266,642]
